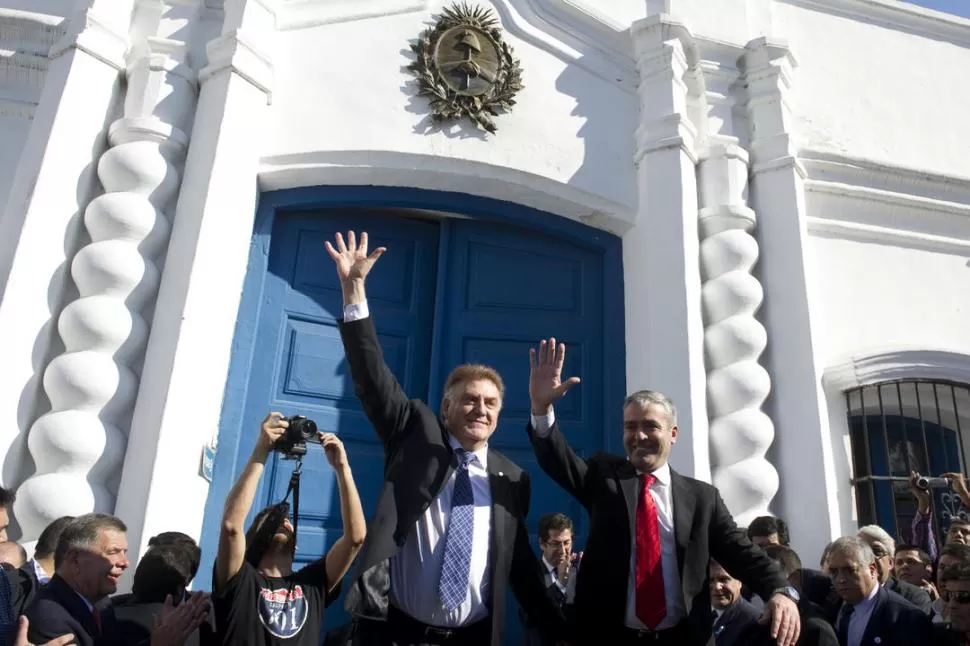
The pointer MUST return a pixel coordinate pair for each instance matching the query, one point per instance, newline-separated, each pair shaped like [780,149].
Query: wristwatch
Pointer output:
[789,592]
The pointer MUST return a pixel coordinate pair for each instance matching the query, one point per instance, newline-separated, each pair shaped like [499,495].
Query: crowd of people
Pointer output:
[664,562]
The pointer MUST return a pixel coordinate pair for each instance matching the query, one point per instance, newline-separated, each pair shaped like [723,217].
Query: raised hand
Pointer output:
[921,495]
[334,449]
[270,431]
[351,259]
[959,484]
[175,625]
[545,376]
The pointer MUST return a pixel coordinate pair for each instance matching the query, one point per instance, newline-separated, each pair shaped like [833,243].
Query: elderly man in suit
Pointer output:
[871,615]
[449,534]
[884,548]
[653,531]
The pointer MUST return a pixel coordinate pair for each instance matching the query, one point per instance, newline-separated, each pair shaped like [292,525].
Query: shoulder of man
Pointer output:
[911,593]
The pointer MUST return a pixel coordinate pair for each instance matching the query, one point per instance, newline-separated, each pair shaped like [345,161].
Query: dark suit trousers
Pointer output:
[402,630]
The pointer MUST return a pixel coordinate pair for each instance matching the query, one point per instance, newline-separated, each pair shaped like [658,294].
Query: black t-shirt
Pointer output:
[258,610]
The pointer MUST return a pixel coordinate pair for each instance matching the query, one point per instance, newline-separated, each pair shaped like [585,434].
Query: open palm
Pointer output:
[545,375]
[351,259]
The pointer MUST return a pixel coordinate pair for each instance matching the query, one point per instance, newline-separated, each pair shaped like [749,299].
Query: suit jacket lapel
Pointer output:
[503,522]
[74,604]
[684,501]
[875,623]
[630,484]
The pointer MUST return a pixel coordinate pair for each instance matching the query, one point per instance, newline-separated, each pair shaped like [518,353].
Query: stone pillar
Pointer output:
[79,445]
[664,323]
[187,359]
[804,453]
[41,227]
[737,384]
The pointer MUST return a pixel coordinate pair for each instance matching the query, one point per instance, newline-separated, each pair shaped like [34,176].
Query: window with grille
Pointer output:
[903,426]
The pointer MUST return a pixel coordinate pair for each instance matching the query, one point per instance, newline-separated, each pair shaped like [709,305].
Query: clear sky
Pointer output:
[958,7]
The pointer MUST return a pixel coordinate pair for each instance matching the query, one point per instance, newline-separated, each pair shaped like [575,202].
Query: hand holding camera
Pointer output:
[334,449]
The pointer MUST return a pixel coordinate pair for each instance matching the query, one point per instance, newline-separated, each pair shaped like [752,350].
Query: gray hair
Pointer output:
[851,546]
[82,533]
[878,534]
[645,398]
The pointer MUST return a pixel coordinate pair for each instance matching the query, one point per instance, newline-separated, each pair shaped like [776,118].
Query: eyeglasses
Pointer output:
[961,596]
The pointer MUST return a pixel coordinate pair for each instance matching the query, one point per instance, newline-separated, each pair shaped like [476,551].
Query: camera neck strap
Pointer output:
[294,488]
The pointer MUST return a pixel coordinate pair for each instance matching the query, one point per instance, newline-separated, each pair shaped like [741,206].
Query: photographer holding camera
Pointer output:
[258,599]
[922,527]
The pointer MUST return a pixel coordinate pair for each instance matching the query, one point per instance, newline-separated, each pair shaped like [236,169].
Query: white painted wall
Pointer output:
[344,96]
[886,92]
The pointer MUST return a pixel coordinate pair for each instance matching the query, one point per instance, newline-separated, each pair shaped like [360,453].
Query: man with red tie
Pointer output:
[643,577]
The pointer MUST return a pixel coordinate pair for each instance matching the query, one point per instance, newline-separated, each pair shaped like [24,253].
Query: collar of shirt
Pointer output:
[481,454]
[864,605]
[551,569]
[42,576]
[662,475]
[87,603]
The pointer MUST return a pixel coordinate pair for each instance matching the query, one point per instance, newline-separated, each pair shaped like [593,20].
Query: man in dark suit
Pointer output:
[870,614]
[884,548]
[816,627]
[35,574]
[448,535]
[558,564]
[90,558]
[653,531]
[735,619]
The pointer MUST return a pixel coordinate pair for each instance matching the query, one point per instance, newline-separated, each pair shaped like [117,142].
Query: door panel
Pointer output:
[302,369]
[505,289]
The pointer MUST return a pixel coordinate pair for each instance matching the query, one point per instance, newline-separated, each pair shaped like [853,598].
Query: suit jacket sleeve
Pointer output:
[741,558]
[380,394]
[48,621]
[558,460]
[527,583]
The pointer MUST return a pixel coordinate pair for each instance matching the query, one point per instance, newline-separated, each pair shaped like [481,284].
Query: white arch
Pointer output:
[385,168]
[870,368]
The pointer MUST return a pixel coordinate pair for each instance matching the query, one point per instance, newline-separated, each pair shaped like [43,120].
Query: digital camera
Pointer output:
[292,444]
[925,483]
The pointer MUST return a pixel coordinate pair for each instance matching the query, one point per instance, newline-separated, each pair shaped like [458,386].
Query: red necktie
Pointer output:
[97,621]
[651,605]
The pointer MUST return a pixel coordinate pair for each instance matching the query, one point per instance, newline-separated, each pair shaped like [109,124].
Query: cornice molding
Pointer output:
[901,16]
[301,14]
[235,52]
[832,168]
[901,362]
[96,35]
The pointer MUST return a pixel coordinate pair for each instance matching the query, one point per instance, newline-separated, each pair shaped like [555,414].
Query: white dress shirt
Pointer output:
[416,569]
[673,592]
[860,617]
[43,578]
[552,576]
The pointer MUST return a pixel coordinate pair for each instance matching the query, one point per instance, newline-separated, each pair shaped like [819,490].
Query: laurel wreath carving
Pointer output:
[446,104]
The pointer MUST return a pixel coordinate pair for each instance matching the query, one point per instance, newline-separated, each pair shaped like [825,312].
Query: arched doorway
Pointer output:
[451,289]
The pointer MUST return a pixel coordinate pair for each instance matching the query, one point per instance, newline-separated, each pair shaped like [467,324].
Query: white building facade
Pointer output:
[758,207]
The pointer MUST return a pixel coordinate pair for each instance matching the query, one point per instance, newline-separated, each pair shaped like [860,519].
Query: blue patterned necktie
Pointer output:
[453,586]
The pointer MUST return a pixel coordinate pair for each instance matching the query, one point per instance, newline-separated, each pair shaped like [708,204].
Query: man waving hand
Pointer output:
[653,531]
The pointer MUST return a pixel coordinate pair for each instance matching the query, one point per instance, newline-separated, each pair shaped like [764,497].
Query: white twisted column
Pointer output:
[737,384]
[78,447]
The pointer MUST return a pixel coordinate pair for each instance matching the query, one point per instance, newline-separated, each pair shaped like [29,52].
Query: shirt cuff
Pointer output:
[543,423]
[355,312]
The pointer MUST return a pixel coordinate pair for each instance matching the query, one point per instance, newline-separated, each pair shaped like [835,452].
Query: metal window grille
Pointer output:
[902,426]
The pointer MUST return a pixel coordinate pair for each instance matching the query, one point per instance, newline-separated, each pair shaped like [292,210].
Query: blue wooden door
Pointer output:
[446,292]
[299,365]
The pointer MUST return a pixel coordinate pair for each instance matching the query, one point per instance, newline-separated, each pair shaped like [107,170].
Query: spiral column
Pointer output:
[78,447]
[734,339]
